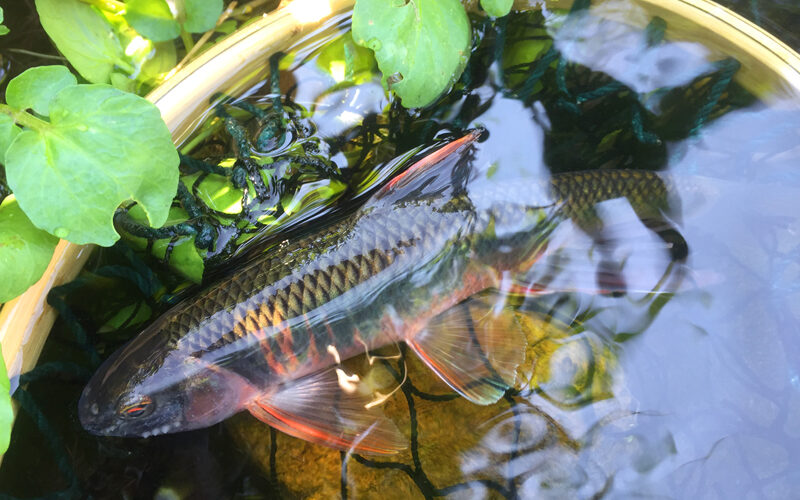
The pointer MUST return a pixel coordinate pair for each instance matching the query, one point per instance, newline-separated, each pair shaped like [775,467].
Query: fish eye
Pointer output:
[135,406]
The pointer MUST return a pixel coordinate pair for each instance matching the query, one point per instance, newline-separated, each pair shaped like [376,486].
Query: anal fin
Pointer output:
[475,347]
[330,408]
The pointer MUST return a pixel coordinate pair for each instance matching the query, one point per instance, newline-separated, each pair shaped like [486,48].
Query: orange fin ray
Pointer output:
[475,347]
[331,409]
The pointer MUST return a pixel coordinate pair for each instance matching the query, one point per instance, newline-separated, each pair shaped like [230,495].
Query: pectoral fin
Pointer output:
[330,408]
[475,347]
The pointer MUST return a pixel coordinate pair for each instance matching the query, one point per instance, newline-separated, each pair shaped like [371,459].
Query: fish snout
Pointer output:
[90,414]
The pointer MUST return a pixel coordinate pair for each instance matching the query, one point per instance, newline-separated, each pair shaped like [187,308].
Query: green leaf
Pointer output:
[83,35]
[201,15]
[6,411]
[346,61]
[162,60]
[226,27]
[36,87]
[130,315]
[8,131]
[3,31]
[152,19]
[122,82]
[101,148]
[526,44]
[25,250]
[184,259]
[216,192]
[497,8]
[421,46]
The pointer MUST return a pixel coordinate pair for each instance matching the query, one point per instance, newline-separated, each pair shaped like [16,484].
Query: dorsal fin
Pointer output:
[436,174]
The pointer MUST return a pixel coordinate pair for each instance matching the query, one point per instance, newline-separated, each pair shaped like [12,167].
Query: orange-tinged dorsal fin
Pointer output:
[432,173]
[331,408]
[475,347]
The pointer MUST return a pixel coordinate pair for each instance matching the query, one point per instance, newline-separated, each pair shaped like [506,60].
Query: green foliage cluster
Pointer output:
[124,44]
[73,152]
[88,146]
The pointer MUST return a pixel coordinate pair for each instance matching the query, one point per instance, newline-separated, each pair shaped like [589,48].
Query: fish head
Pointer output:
[151,386]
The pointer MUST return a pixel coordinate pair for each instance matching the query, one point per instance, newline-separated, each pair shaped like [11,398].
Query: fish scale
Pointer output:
[581,191]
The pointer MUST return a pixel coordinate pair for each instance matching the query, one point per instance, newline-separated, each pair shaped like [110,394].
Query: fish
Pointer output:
[412,266]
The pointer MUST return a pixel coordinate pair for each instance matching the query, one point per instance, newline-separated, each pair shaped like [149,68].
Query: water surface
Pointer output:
[691,390]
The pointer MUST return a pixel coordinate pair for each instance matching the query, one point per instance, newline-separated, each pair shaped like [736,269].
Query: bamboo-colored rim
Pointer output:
[236,63]
[770,69]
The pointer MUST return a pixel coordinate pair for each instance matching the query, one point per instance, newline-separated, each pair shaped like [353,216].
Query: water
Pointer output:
[688,394]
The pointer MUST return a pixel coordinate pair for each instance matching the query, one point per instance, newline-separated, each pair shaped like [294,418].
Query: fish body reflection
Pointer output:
[272,338]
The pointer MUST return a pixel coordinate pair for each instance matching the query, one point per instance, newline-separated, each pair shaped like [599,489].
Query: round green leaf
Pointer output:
[421,46]
[6,411]
[101,148]
[34,88]
[83,35]
[201,15]
[25,250]
[497,8]
[152,19]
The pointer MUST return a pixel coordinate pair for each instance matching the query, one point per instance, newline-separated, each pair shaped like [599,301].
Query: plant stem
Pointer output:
[113,6]
[24,118]
[36,54]
[204,38]
[125,66]
[214,127]
[188,43]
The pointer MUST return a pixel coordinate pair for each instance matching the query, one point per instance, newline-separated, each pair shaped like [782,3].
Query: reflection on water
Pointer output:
[697,393]
[690,392]
[649,370]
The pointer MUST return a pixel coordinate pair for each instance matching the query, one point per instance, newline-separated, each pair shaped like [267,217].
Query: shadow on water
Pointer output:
[659,323]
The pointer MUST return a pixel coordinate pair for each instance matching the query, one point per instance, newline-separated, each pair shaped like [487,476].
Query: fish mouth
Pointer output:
[158,431]
[118,430]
